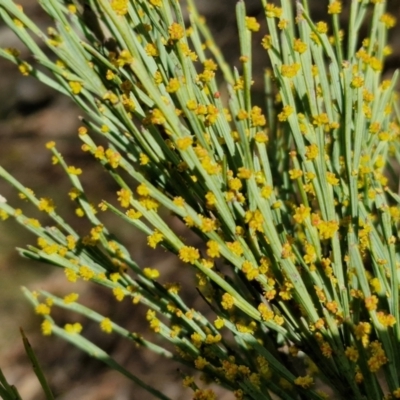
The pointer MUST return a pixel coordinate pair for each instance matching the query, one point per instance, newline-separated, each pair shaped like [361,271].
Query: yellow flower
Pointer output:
[244,173]
[386,319]
[261,137]
[157,117]
[299,46]
[266,313]
[113,158]
[151,50]
[357,81]
[210,65]
[189,254]
[155,238]
[227,301]
[310,256]
[219,323]
[257,117]
[250,270]
[331,178]
[335,7]
[133,214]
[304,381]
[124,197]
[301,213]
[143,190]
[144,159]
[266,191]
[106,325]
[184,143]
[375,64]
[283,23]
[290,70]
[389,20]
[378,357]
[235,248]
[242,115]
[151,273]
[46,327]
[176,31]
[321,119]
[120,6]
[119,293]
[371,302]
[252,24]
[73,328]
[173,85]
[327,229]
[156,3]
[110,75]
[295,173]
[322,27]
[71,275]
[158,77]
[213,249]
[33,222]
[71,298]
[312,151]
[286,112]
[207,224]
[86,273]
[3,215]
[115,277]
[351,353]
[76,87]
[74,171]
[200,363]
[46,204]
[204,394]
[235,184]
[273,11]
[188,381]
[266,42]
[42,309]
[255,220]
[173,287]
[362,331]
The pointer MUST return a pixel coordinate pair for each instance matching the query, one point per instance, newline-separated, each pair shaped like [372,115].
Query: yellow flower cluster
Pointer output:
[326,229]
[290,70]
[362,331]
[189,254]
[106,325]
[304,381]
[378,357]
[151,273]
[46,204]
[252,24]
[155,238]
[73,329]
[273,11]
[176,31]
[120,6]
[228,301]
[335,7]
[299,46]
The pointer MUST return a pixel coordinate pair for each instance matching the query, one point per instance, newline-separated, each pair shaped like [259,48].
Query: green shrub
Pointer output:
[291,201]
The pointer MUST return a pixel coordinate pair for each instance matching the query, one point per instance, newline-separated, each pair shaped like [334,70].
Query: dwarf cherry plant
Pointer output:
[297,253]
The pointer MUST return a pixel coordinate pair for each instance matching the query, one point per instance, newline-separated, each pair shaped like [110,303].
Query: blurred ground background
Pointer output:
[30,115]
